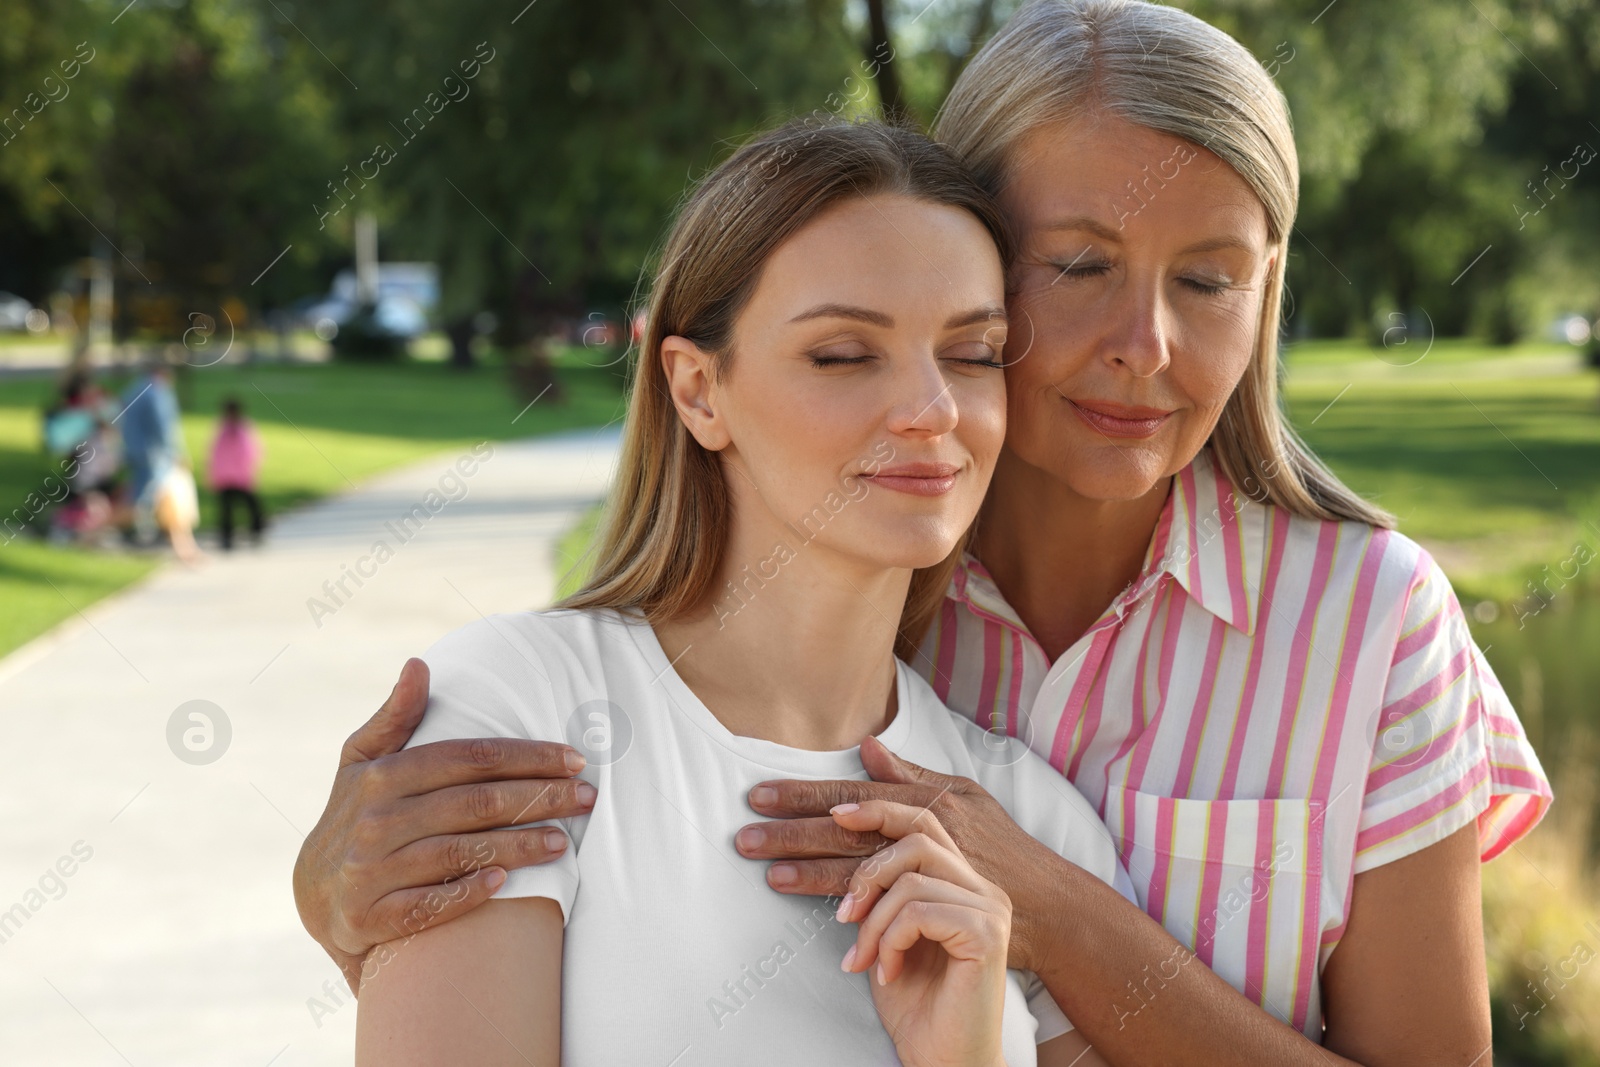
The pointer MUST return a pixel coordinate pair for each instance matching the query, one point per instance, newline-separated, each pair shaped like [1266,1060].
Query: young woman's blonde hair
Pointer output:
[1163,69]
[663,535]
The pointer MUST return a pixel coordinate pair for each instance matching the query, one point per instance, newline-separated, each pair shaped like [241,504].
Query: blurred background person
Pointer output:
[236,453]
[80,439]
[152,440]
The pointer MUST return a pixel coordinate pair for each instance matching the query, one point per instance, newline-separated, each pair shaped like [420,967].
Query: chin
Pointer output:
[1104,472]
[910,546]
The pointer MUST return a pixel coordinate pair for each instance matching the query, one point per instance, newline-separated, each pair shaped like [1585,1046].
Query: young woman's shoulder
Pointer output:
[515,674]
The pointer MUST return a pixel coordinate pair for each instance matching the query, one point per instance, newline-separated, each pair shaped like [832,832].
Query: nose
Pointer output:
[923,403]
[1138,338]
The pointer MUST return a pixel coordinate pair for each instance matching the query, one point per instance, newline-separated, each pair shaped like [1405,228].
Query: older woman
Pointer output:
[1269,695]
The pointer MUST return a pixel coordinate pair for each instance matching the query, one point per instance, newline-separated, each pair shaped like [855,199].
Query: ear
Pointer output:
[694,393]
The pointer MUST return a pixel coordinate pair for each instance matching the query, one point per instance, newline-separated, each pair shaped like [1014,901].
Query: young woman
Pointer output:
[817,410]
[1270,696]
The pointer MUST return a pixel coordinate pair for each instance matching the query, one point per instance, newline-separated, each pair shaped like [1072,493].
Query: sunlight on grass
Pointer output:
[41,586]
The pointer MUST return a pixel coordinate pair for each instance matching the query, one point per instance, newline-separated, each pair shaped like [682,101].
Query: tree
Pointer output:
[185,141]
[537,154]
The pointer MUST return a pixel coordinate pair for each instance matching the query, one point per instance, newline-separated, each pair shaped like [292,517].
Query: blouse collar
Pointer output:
[1209,538]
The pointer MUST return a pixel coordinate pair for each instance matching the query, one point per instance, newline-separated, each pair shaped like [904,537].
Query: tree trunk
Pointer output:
[461,332]
[880,51]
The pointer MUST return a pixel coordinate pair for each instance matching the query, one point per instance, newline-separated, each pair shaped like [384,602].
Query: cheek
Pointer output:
[795,438]
[1041,339]
[1207,366]
[1208,383]
[981,404]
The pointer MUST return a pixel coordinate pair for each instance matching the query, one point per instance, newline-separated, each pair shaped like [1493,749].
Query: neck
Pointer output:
[1060,558]
[796,643]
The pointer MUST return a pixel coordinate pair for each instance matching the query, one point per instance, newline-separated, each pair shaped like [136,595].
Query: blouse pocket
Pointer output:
[1238,881]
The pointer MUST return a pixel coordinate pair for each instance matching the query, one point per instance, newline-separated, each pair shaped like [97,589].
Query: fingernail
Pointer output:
[586,792]
[849,958]
[575,761]
[844,809]
[555,840]
[844,908]
[783,874]
[751,837]
[494,878]
[881,979]
[763,795]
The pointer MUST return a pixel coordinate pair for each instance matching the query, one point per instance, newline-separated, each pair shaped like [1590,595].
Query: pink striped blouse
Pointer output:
[1274,705]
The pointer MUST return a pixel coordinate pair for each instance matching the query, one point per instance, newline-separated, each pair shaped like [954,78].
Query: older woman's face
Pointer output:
[1137,294]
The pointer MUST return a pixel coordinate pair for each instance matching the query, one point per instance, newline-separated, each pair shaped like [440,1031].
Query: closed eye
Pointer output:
[1077,269]
[974,354]
[1204,288]
[819,360]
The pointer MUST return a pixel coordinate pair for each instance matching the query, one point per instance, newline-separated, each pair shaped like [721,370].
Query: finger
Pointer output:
[393,723]
[908,889]
[436,859]
[917,854]
[812,878]
[804,839]
[786,798]
[409,911]
[438,764]
[966,932]
[461,809]
[893,819]
[912,886]
[885,766]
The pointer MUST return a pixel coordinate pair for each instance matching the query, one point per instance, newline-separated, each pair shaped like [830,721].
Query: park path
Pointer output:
[145,904]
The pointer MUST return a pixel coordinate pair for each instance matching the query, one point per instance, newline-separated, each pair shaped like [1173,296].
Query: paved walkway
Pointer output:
[145,909]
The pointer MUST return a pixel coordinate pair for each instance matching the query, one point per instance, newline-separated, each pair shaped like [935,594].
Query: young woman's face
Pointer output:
[864,404]
[1138,290]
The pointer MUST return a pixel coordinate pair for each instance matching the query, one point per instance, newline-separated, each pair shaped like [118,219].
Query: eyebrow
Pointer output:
[878,318]
[1101,230]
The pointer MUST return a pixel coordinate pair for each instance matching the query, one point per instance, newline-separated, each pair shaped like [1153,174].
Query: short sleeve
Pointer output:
[1449,747]
[487,679]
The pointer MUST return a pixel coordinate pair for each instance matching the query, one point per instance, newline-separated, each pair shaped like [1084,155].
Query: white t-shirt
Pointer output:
[676,949]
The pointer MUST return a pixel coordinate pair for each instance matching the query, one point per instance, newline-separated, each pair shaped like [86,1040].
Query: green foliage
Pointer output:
[537,151]
[542,183]
[1420,126]
[190,138]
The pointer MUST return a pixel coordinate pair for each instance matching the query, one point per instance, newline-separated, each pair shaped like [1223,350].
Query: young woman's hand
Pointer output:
[933,935]
[815,856]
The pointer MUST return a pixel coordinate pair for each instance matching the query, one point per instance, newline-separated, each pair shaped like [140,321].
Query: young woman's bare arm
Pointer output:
[484,989]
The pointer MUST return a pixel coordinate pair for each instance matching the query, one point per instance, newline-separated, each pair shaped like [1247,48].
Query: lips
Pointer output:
[1120,420]
[918,479]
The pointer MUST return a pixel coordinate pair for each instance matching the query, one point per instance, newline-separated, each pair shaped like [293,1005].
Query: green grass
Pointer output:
[41,585]
[325,427]
[1489,456]
[572,554]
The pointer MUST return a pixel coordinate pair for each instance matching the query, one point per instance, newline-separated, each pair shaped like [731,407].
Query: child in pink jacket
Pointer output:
[235,460]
